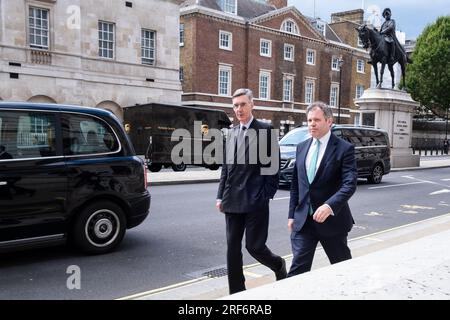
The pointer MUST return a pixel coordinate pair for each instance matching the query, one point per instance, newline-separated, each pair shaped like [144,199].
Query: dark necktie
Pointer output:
[240,145]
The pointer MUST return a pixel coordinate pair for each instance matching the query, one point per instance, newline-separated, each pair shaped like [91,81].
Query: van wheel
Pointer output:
[99,228]
[154,167]
[376,174]
[179,167]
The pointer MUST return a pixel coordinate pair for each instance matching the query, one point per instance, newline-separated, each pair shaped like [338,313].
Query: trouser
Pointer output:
[255,225]
[304,243]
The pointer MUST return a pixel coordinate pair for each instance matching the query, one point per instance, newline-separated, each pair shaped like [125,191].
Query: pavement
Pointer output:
[406,262]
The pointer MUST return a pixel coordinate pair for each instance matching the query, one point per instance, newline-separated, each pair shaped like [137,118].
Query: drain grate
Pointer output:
[216,273]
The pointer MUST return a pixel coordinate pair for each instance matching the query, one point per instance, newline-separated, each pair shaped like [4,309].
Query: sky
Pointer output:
[411,16]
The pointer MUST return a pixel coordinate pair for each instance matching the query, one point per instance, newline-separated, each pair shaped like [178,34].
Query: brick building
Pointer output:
[287,59]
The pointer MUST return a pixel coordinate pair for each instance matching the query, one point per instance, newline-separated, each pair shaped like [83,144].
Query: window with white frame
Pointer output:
[310,56]
[106,39]
[225,40]
[229,6]
[334,95]
[264,85]
[335,63]
[288,86]
[360,66]
[265,48]
[38,24]
[225,80]
[148,48]
[289,26]
[309,91]
[359,91]
[320,26]
[289,52]
[181,34]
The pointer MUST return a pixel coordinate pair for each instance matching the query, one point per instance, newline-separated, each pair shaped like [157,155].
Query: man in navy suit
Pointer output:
[245,189]
[323,181]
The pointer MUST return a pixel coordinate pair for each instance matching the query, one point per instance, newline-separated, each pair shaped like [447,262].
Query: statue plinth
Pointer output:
[393,110]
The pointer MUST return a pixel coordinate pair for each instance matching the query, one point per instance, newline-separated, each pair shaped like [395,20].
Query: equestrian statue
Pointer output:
[384,48]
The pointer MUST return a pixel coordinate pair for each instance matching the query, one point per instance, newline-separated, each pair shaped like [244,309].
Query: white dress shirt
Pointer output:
[323,145]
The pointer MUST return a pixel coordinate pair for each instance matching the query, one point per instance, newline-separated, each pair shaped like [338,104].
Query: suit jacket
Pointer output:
[333,184]
[242,188]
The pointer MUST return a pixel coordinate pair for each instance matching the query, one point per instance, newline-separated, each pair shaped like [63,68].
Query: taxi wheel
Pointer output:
[99,228]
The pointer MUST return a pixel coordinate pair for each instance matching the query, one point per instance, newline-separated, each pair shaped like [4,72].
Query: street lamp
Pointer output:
[340,63]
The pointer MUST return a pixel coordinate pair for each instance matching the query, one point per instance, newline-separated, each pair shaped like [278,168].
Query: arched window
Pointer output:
[41,99]
[113,107]
[289,26]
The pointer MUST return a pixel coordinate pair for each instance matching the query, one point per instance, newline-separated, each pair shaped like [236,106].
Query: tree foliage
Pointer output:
[428,77]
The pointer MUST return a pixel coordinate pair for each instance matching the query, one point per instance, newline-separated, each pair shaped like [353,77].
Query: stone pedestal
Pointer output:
[391,110]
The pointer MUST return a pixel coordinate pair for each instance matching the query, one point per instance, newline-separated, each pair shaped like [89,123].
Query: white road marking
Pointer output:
[397,185]
[373,213]
[408,211]
[440,192]
[176,285]
[426,181]
[409,206]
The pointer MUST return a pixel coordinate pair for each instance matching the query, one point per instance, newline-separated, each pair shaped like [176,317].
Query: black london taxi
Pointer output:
[67,173]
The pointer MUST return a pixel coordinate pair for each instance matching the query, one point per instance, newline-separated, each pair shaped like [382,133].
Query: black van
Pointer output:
[150,127]
[67,172]
[372,150]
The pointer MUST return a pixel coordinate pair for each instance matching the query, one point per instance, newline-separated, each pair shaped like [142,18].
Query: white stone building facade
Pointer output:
[104,53]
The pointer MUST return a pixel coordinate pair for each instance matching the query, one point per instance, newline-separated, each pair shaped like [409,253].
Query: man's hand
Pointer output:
[219,206]
[322,213]
[290,225]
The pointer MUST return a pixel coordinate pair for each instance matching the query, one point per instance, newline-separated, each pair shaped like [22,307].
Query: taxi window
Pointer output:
[27,134]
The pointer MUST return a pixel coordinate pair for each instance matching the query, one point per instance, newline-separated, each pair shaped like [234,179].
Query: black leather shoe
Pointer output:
[281,274]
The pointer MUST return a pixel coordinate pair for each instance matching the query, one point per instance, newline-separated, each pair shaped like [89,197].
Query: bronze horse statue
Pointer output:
[379,53]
